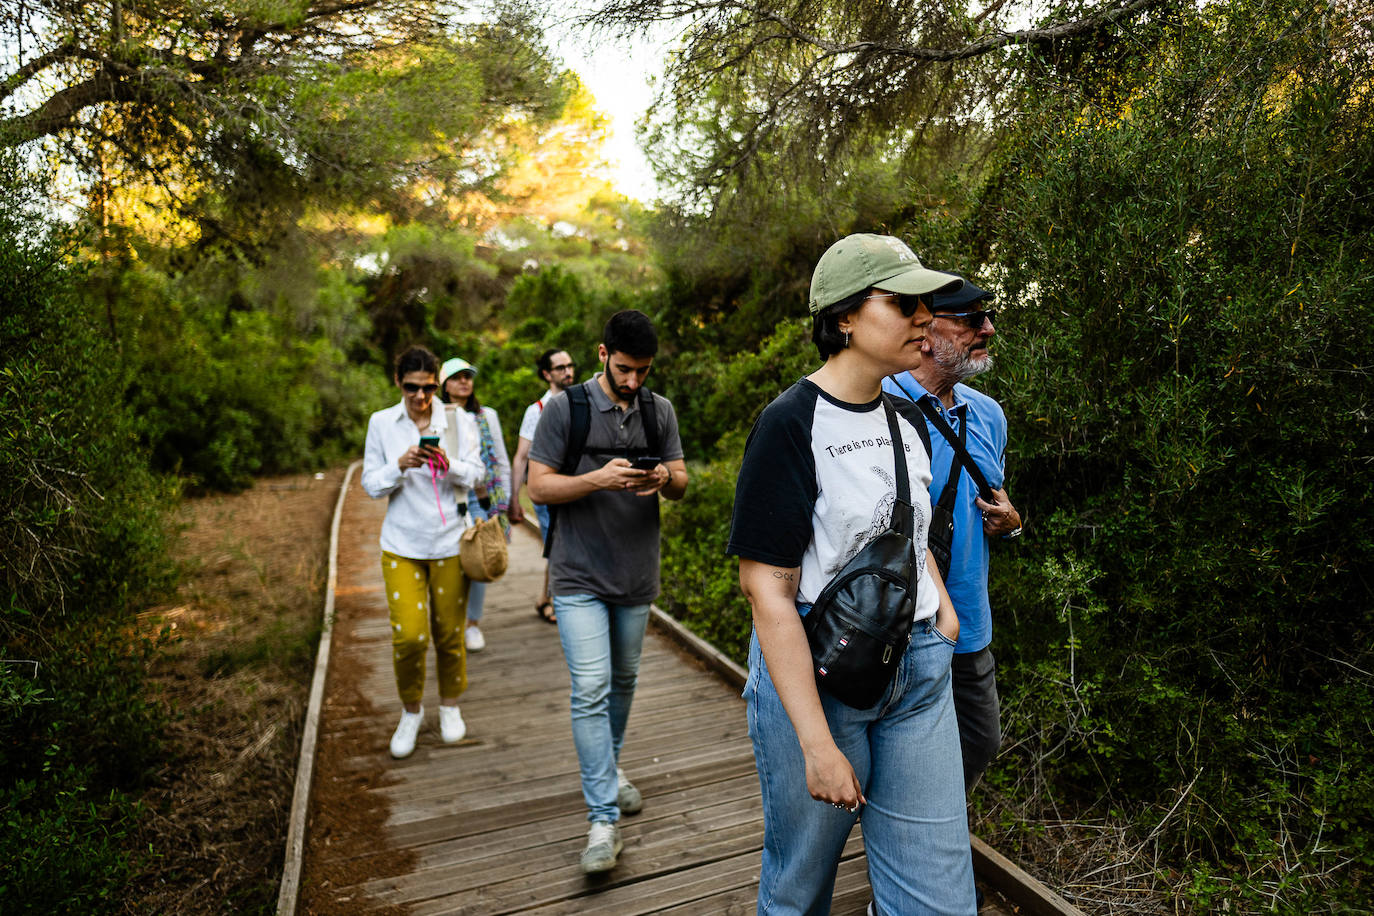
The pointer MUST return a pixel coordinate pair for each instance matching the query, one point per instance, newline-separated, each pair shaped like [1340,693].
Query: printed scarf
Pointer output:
[500,502]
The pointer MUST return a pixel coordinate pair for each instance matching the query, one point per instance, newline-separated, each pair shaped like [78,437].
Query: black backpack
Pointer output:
[580,424]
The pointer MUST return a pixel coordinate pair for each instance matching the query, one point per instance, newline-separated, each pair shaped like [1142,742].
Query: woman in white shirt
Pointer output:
[426,514]
[457,381]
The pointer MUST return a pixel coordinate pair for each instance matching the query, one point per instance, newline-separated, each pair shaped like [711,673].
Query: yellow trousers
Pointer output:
[428,601]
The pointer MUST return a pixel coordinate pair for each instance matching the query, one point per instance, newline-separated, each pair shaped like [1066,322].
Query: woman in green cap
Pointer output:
[817,484]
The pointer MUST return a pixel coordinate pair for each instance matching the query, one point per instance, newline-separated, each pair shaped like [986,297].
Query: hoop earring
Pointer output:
[846,340]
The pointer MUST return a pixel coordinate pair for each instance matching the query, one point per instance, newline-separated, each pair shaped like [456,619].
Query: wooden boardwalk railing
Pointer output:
[496,823]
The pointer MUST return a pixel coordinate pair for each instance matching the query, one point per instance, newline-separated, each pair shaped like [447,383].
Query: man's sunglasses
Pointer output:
[908,304]
[412,388]
[972,320]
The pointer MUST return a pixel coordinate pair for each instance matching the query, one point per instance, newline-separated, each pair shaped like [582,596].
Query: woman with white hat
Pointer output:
[457,379]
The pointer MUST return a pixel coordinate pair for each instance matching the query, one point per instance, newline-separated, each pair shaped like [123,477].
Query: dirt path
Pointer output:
[235,672]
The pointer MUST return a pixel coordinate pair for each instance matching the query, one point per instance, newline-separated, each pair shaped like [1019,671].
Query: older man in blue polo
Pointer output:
[961,419]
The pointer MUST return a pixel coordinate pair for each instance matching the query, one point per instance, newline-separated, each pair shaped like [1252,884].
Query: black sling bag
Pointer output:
[860,624]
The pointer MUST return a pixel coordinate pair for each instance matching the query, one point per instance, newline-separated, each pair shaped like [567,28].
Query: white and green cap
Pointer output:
[863,260]
[453,367]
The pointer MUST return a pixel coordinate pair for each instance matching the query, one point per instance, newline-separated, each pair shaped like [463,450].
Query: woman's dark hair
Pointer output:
[825,327]
[416,359]
[473,406]
[632,333]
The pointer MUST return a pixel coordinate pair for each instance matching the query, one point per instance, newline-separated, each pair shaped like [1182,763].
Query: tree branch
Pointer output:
[62,52]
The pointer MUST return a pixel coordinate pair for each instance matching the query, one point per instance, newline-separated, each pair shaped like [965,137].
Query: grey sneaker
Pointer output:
[603,845]
[627,797]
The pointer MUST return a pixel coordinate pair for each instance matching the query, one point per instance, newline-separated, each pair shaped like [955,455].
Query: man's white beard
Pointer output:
[961,366]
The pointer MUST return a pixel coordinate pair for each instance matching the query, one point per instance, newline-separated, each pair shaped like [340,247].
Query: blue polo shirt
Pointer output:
[987,445]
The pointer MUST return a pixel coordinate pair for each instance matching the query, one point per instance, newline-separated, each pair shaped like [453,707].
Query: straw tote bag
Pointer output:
[482,547]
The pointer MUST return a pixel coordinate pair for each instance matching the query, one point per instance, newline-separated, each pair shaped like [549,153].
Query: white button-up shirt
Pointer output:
[413,527]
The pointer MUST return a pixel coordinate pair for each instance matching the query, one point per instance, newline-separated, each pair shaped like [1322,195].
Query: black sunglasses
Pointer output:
[907,304]
[973,320]
[411,388]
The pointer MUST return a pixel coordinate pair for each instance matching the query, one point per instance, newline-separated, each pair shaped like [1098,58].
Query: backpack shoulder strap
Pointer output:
[648,415]
[579,425]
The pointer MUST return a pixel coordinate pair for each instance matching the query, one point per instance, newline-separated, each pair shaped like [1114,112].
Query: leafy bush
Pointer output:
[700,586]
[83,536]
[1187,631]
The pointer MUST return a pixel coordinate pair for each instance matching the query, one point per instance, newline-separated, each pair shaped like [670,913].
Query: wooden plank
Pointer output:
[289,892]
[496,823]
[1017,886]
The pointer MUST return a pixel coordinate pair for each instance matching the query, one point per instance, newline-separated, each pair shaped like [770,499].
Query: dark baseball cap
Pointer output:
[958,300]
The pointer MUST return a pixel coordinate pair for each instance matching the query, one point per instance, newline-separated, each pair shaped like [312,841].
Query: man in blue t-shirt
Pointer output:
[956,349]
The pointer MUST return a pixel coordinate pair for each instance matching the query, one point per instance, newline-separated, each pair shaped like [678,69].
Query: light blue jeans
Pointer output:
[601,644]
[541,512]
[905,752]
[477,591]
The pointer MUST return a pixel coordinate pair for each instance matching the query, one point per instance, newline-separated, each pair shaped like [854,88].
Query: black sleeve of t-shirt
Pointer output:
[776,492]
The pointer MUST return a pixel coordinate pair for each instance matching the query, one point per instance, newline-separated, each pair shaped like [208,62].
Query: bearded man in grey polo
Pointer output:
[604,554]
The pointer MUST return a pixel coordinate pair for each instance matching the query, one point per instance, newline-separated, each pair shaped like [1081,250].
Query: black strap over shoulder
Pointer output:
[901,509]
[906,406]
[957,443]
[579,424]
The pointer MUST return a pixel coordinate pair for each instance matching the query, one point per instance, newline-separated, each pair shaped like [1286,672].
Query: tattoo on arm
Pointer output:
[786,576]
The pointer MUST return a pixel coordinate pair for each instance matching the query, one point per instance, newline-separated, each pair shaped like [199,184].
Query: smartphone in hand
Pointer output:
[430,442]
[646,463]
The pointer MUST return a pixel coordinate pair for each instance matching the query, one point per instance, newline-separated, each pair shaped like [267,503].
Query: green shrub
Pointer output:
[1186,632]
[83,536]
[700,584]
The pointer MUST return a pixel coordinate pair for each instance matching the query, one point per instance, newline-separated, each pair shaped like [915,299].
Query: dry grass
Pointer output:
[235,677]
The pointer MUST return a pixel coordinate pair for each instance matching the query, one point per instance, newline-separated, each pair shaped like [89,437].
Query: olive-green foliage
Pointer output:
[80,737]
[234,369]
[82,537]
[1186,631]
[724,395]
[82,517]
[700,585]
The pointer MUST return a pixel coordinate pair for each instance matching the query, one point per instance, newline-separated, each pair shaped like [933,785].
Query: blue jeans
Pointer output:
[601,644]
[905,753]
[477,591]
[542,513]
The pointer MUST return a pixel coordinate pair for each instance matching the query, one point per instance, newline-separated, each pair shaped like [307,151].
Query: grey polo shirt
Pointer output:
[606,543]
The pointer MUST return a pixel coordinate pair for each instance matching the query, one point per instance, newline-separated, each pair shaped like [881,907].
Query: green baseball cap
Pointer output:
[453,367]
[863,260]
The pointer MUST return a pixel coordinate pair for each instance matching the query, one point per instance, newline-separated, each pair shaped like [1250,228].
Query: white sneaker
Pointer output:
[474,639]
[627,797]
[403,741]
[452,728]
[603,845]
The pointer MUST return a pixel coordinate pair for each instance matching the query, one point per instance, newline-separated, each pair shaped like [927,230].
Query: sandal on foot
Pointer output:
[546,616]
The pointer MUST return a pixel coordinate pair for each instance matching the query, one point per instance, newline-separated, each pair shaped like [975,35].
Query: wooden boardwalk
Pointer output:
[496,823]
